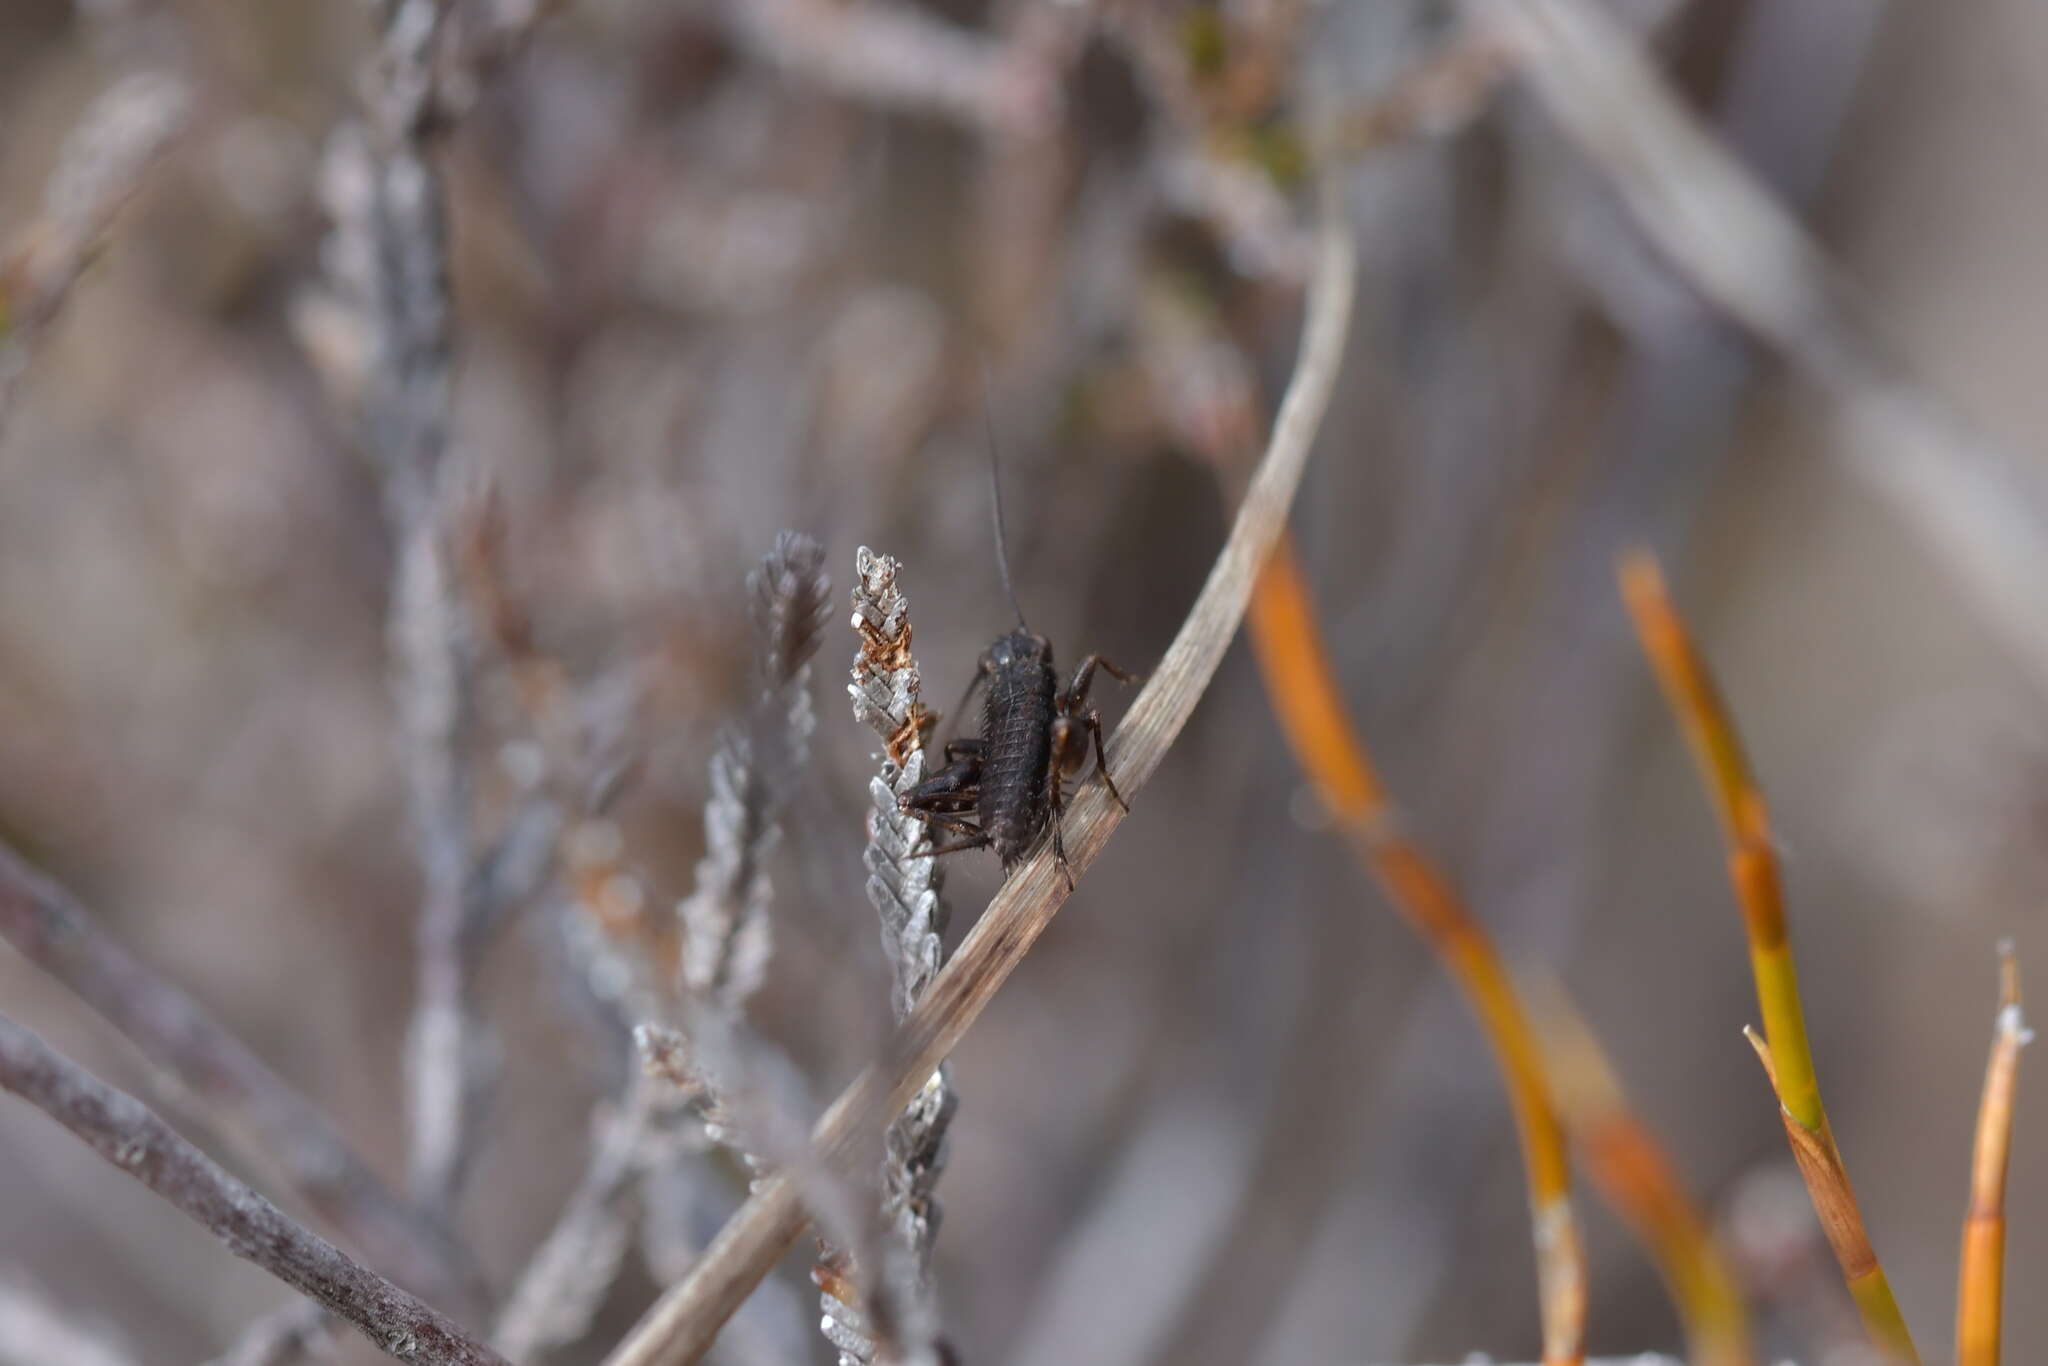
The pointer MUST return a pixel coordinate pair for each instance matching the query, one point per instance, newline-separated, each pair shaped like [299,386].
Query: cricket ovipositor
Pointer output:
[1001,791]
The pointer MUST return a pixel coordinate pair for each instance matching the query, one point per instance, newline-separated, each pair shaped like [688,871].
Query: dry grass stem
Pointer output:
[1753,868]
[103,163]
[1304,694]
[683,1324]
[131,1136]
[46,925]
[1980,506]
[1635,1175]
[1980,1290]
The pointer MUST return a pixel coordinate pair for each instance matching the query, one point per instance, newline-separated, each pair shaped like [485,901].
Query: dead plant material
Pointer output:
[1753,868]
[684,1323]
[1980,1291]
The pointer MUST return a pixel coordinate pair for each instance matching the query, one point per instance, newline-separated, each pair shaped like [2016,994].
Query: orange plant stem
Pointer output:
[1981,1283]
[1318,726]
[1753,868]
[1639,1183]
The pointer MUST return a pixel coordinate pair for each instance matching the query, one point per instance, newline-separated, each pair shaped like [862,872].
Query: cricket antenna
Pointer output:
[995,488]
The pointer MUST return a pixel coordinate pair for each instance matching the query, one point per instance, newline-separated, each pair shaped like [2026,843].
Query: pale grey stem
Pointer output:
[726,932]
[1981,506]
[685,1321]
[726,945]
[48,926]
[903,884]
[899,57]
[103,162]
[131,1136]
[389,258]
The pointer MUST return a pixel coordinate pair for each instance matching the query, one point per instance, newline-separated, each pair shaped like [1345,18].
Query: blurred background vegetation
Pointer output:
[714,277]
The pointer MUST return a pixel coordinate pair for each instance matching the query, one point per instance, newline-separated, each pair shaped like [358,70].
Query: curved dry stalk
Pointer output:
[47,925]
[131,1136]
[683,1324]
[1304,694]
[1753,868]
[1635,1175]
[1980,1290]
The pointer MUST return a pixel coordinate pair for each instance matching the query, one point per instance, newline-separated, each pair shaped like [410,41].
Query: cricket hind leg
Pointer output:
[1057,801]
[1073,704]
[1084,678]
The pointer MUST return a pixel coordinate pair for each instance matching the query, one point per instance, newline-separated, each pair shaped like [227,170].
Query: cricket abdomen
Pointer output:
[1016,736]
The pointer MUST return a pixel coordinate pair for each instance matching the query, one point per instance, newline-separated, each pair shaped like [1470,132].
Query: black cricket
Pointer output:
[1001,790]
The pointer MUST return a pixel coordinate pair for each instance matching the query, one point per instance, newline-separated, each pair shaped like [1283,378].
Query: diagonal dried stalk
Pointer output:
[1980,1292]
[131,1136]
[46,924]
[103,163]
[1980,506]
[682,1325]
[1304,695]
[1753,869]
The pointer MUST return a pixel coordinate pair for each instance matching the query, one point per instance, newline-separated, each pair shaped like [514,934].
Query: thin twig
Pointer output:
[898,56]
[1304,694]
[1981,506]
[389,258]
[1980,1292]
[131,1136]
[46,924]
[1753,869]
[685,1321]
[103,163]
